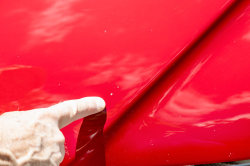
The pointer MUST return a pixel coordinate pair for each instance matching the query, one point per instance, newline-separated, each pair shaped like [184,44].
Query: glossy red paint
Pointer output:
[123,51]
[199,110]
[90,148]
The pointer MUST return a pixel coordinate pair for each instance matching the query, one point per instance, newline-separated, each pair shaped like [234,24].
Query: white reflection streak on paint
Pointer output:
[172,103]
[195,71]
[225,4]
[50,25]
[157,105]
[129,72]
[187,106]
[238,99]
[212,123]
[190,106]
[90,151]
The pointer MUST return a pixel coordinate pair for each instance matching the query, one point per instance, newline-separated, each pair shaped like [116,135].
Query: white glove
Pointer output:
[33,137]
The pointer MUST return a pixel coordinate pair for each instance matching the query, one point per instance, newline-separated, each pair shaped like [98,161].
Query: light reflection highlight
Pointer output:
[212,123]
[124,70]
[189,106]
[53,23]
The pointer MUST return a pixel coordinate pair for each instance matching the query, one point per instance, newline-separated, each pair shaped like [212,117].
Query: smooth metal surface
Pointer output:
[198,112]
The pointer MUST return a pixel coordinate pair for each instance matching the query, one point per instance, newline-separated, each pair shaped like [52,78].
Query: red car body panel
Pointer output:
[174,75]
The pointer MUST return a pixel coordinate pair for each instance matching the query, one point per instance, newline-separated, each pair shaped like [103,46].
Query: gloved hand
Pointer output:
[34,138]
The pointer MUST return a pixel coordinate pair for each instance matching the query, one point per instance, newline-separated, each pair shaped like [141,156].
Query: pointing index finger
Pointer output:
[71,110]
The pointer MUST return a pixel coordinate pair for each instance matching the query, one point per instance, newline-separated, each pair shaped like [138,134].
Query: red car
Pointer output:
[175,75]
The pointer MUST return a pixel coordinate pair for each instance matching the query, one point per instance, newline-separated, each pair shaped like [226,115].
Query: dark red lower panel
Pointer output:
[90,149]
